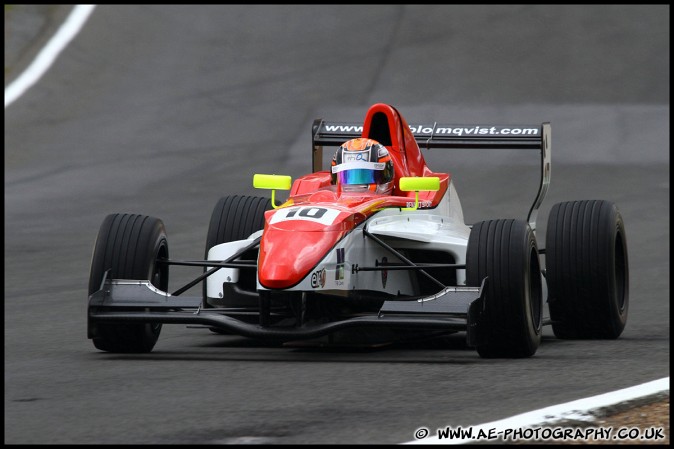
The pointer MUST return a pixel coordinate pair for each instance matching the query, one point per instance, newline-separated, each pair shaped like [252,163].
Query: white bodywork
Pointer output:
[439,229]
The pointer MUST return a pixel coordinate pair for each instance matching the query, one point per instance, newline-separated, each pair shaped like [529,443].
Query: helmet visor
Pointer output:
[359,173]
[358,176]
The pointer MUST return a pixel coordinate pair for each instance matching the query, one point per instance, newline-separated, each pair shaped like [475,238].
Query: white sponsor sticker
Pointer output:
[322,215]
[422,204]
[358,165]
[354,156]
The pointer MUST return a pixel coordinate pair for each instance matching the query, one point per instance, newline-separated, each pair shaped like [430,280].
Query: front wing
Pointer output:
[453,309]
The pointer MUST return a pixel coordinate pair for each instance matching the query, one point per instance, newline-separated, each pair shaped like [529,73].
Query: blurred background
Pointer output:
[163,109]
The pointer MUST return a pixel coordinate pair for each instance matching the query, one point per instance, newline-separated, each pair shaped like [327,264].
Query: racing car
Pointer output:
[327,260]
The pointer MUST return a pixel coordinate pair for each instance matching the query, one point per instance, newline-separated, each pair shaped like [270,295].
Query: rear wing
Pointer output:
[482,137]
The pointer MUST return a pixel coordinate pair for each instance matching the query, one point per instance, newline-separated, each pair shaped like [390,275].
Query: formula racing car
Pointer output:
[340,256]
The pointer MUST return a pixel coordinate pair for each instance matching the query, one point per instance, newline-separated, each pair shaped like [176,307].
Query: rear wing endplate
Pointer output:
[488,137]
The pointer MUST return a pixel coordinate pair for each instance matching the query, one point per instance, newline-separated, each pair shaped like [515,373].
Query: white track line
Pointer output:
[48,54]
[579,410]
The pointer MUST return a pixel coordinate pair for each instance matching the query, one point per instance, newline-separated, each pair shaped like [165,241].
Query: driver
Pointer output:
[362,165]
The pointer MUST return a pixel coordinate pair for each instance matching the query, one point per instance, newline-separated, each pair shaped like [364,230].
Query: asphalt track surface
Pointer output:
[161,110]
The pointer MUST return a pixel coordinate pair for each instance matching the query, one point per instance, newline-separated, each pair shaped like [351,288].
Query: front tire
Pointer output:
[128,245]
[233,218]
[505,251]
[587,270]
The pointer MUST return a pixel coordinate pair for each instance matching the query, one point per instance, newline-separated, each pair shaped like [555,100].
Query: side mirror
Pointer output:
[417,184]
[272,182]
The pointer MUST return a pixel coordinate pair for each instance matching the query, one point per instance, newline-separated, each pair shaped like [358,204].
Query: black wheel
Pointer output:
[128,245]
[506,252]
[235,217]
[587,270]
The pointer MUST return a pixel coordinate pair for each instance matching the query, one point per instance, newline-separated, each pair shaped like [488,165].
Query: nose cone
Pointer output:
[296,239]
[288,256]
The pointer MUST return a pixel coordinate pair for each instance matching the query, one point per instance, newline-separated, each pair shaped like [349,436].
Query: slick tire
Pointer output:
[235,217]
[587,270]
[128,245]
[506,252]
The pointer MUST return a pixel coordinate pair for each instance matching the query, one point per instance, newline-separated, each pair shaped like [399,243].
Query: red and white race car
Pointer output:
[330,260]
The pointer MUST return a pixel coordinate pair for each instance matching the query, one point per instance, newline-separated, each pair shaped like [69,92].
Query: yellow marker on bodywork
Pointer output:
[417,184]
[273,183]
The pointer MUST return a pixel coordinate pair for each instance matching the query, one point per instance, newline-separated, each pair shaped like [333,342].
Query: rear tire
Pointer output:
[587,270]
[128,245]
[506,252]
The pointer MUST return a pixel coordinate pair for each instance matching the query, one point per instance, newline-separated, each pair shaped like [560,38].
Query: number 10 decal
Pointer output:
[323,215]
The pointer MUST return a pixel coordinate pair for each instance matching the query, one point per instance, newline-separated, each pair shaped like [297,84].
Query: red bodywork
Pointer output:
[292,246]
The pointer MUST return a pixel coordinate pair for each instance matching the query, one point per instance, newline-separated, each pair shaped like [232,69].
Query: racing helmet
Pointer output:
[363,165]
